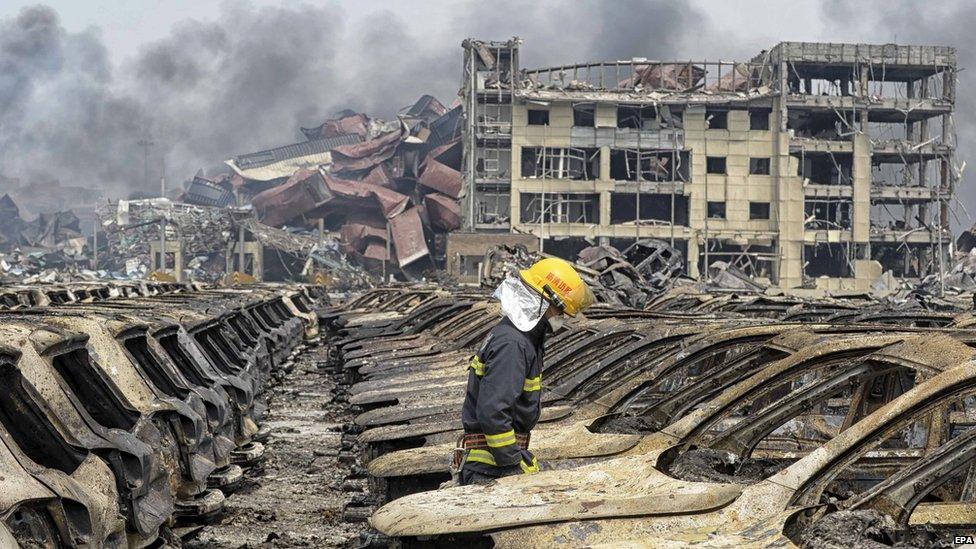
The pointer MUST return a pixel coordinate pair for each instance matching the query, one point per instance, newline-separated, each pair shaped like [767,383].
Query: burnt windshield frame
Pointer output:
[184,363]
[29,426]
[138,350]
[95,394]
[210,350]
[260,319]
[236,322]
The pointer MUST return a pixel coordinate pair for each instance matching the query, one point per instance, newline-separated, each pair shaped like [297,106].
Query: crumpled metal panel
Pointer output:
[408,237]
[357,124]
[304,191]
[364,155]
[441,178]
[390,201]
[444,211]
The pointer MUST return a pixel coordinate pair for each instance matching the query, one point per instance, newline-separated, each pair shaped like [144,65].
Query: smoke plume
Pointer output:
[248,80]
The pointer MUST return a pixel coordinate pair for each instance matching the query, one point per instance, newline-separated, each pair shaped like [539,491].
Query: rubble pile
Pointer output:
[49,248]
[722,275]
[358,198]
[131,225]
[502,260]
[207,235]
[390,189]
[630,278]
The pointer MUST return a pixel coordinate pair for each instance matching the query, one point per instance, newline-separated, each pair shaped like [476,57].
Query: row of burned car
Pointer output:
[129,410]
[709,419]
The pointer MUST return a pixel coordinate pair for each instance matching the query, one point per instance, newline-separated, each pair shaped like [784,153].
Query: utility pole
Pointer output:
[240,238]
[95,245]
[146,144]
[162,231]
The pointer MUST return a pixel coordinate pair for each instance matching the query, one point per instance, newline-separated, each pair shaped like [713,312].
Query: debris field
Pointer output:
[168,415]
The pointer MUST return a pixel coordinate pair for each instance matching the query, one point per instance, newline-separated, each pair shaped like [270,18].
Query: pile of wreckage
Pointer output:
[961,275]
[207,235]
[726,419]
[630,278]
[389,189]
[42,250]
[359,198]
[130,410]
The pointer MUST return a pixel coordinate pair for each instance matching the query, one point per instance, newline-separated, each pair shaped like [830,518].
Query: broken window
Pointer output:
[671,117]
[655,165]
[245,329]
[207,344]
[560,208]
[903,259]
[827,259]
[828,213]
[715,164]
[756,259]
[98,397]
[561,163]
[832,125]
[759,210]
[826,169]
[584,114]
[138,350]
[820,86]
[494,118]
[716,119]
[759,166]
[538,117]
[184,363]
[493,207]
[653,207]
[759,119]
[493,162]
[29,427]
[641,117]
[716,210]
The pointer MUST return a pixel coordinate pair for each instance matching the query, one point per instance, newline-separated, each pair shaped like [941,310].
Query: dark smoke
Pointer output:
[249,80]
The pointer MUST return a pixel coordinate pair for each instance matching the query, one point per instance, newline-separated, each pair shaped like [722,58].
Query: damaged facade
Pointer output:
[811,165]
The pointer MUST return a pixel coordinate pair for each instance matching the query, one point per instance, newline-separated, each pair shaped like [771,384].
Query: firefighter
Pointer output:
[502,403]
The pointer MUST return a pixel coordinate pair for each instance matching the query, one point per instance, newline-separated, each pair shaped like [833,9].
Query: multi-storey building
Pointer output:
[811,164]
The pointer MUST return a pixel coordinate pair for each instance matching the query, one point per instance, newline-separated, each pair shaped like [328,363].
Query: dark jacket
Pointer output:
[503,394]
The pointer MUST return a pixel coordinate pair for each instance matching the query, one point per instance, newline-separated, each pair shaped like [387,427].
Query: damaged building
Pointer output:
[814,165]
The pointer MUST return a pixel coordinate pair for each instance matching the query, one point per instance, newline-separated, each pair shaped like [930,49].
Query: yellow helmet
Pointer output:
[559,283]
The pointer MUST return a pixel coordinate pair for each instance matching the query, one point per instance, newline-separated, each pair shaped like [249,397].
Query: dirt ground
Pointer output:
[297,501]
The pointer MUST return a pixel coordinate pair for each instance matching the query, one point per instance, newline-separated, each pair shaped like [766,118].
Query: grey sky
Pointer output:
[127,25]
[210,79]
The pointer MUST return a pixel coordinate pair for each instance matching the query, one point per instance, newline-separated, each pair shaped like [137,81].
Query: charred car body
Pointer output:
[128,409]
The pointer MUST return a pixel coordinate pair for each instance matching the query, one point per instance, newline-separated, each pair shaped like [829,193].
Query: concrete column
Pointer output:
[861,175]
[605,208]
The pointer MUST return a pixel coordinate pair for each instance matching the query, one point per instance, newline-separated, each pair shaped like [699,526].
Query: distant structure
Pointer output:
[810,165]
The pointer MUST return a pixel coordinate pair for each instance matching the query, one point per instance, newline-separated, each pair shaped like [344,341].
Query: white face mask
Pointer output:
[520,304]
[557,322]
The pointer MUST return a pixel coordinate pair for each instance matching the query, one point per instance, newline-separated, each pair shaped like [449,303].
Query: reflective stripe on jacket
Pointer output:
[503,393]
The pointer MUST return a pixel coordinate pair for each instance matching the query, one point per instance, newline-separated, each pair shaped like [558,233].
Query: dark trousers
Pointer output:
[478,475]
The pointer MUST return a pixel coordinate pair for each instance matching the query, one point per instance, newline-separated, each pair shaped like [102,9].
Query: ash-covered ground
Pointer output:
[298,500]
